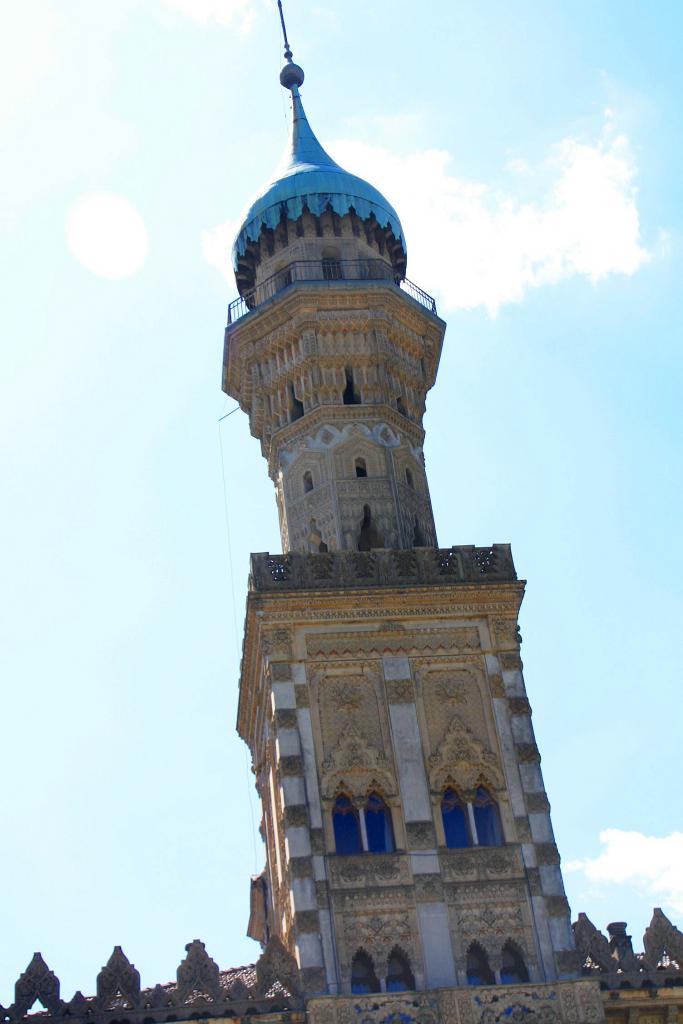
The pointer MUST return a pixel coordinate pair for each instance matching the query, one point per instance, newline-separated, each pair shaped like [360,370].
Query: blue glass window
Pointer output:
[455,824]
[378,825]
[487,819]
[478,970]
[399,975]
[363,977]
[346,827]
[513,969]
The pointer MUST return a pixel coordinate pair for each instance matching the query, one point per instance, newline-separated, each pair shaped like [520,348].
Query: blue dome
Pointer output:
[309,177]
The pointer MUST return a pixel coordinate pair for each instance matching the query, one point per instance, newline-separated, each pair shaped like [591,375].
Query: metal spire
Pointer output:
[288,52]
[291,76]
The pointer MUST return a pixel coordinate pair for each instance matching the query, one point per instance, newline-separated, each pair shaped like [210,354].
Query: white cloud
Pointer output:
[242,13]
[652,864]
[217,248]
[478,246]
[107,235]
[28,51]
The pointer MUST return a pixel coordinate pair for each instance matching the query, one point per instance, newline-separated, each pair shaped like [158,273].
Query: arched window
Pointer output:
[308,481]
[418,535]
[400,406]
[455,824]
[399,975]
[513,969]
[361,467]
[350,395]
[296,408]
[478,970]
[378,825]
[409,479]
[363,977]
[346,826]
[369,536]
[487,819]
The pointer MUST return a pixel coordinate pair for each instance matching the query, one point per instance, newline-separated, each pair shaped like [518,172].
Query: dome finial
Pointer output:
[291,76]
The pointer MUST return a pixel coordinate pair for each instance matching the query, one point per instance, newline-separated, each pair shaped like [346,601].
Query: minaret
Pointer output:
[408,837]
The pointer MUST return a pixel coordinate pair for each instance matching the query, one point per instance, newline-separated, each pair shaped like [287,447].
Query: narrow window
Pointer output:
[296,408]
[346,826]
[308,481]
[418,535]
[378,825]
[478,970]
[363,977]
[399,975]
[513,969]
[409,479]
[455,824]
[361,467]
[369,536]
[350,396]
[487,819]
[400,406]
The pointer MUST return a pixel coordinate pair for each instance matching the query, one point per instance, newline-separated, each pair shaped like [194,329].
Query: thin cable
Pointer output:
[247,770]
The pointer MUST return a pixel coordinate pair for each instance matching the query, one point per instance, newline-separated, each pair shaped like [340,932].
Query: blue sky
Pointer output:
[533,151]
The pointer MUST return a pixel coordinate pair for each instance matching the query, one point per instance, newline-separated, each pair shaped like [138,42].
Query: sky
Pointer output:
[533,152]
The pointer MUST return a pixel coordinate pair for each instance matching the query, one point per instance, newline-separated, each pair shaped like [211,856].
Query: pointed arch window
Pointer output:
[409,479]
[378,825]
[513,970]
[487,819]
[347,837]
[455,820]
[399,975]
[361,467]
[478,970]
[308,481]
[363,977]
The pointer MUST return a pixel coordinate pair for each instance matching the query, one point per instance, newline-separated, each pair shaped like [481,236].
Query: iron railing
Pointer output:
[327,271]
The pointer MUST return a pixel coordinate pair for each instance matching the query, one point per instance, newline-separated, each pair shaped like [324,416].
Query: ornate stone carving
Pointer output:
[378,933]
[592,946]
[302,696]
[277,964]
[510,661]
[537,802]
[400,691]
[662,939]
[326,645]
[369,870]
[280,671]
[519,706]
[464,759]
[506,632]
[118,983]
[37,982]
[428,888]
[197,975]
[277,641]
[481,862]
[496,685]
[420,835]
[356,765]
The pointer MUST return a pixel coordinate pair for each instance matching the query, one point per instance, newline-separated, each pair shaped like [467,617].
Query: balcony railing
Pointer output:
[382,568]
[325,271]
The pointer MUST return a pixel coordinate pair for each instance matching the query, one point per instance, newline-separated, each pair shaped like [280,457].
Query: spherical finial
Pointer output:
[291,75]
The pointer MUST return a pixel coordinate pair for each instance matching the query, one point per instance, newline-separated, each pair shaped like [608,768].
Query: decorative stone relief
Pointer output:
[420,835]
[276,963]
[118,983]
[373,869]
[325,645]
[400,691]
[198,975]
[463,759]
[356,766]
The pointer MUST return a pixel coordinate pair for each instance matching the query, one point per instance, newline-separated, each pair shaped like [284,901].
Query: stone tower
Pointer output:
[408,839]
